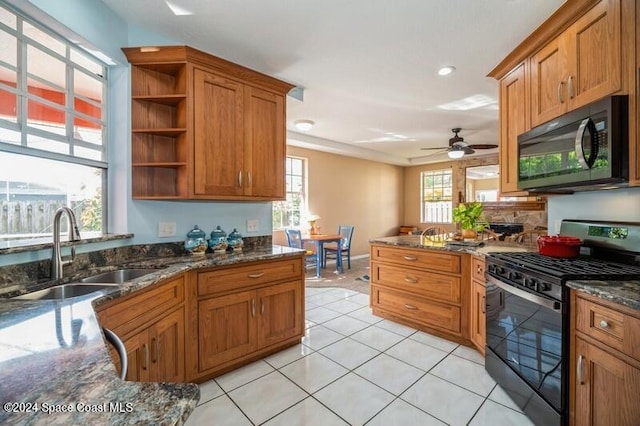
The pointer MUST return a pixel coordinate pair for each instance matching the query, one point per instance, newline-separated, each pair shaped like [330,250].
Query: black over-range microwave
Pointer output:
[584,149]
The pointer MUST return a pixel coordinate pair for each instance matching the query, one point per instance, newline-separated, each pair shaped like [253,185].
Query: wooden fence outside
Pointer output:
[29,219]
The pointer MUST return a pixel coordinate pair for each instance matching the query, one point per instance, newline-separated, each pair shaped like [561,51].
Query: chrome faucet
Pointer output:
[74,235]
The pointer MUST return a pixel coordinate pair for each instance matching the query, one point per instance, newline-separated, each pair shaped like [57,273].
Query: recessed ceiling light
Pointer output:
[304,125]
[178,10]
[446,70]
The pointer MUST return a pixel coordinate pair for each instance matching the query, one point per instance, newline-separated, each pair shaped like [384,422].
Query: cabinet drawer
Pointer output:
[477,268]
[237,277]
[432,314]
[432,285]
[125,315]
[432,260]
[609,326]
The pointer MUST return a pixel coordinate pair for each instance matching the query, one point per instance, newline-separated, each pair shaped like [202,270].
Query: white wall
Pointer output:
[612,205]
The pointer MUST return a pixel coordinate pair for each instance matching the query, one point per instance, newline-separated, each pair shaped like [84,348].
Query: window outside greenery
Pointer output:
[52,131]
[287,214]
[437,196]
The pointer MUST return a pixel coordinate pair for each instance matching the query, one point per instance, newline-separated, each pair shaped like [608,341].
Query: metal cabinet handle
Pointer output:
[240,178]
[478,269]
[560,92]
[145,356]
[410,258]
[122,351]
[579,367]
[154,350]
[250,178]
[570,86]
[410,307]
[261,306]
[253,307]
[257,275]
[604,324]
[484,304]
[410,280]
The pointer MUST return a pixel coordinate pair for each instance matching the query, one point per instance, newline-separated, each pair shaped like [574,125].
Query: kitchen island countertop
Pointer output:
[420,242]
[55,367]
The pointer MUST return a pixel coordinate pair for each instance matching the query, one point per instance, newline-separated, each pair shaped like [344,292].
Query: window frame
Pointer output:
[447,201]
[22,93]
[277,205]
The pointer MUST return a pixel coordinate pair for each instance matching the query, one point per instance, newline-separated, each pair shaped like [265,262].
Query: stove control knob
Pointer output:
[500,270]
[514,276]
[491,268]
[530,283]
[545,287]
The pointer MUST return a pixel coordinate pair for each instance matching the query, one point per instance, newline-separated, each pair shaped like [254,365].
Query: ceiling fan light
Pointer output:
[304,125]
[455,153]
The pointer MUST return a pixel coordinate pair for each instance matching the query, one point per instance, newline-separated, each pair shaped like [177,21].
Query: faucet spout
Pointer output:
[74,235]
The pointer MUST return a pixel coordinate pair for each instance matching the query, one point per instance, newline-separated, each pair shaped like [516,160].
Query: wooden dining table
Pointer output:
[318,240]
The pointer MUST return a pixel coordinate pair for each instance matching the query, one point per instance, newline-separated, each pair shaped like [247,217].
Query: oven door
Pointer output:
[526,349]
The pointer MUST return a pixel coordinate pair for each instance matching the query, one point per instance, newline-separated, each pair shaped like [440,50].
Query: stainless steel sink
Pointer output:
[118,276]
[65,291]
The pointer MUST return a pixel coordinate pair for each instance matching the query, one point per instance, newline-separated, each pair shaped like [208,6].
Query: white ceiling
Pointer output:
[368,67]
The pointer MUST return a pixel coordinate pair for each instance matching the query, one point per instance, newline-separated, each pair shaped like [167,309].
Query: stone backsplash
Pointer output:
[40,271]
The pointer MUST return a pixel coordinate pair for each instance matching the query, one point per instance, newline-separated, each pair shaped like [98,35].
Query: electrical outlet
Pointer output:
[166,229]
[252,225]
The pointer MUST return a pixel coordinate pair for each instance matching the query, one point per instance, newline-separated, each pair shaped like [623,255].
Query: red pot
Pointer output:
[559,246]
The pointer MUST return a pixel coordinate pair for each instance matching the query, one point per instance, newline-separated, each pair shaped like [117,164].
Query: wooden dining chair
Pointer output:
[331,251]
[294,238]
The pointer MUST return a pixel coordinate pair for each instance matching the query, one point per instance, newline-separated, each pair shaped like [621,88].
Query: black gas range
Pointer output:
[527,305]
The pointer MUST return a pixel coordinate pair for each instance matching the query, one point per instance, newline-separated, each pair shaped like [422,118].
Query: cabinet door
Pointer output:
[281,315]
[167,348]
[218,135]
[265,143]
[226,328]
[549,69]
[514,120]
[595,54]
[478,317]
[138,357]
[606,388]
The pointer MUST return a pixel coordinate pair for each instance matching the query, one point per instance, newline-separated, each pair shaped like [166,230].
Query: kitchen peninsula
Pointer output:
[54,352]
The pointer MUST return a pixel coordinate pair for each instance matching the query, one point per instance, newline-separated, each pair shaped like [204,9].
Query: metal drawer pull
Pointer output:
[122,351]
[410,307]
[560,92]
[250,178]
[261,306]
[253,307]
[579,368]
[240,178]
[604,324]
[258,275]
[410,280]
[410,258]
[484,304]
[145,351]
[570,86]
[479,269]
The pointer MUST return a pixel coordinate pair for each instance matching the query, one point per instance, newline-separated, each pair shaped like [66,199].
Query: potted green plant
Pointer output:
[469,216]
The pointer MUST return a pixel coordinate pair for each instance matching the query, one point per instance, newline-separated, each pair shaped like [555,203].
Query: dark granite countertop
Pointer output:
[626,293]
[420,242]
[53,353]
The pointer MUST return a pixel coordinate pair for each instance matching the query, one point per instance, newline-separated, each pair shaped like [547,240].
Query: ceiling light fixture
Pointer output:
[446,70]
[304,125]
[455,153]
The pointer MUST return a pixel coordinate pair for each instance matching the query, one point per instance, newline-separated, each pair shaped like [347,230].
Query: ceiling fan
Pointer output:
[458,147]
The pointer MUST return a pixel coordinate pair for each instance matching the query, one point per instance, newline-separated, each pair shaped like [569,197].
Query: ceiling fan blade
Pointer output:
[468,150]
[441,147]
[482,146]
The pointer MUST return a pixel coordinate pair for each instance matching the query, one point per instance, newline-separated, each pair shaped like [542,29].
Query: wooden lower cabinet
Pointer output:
[478,315]
[426,289]
[605,363]
[233,326]
[156,354]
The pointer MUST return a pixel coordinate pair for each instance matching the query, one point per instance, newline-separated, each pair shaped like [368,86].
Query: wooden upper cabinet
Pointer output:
[205,128]
[514,120]
[581,65]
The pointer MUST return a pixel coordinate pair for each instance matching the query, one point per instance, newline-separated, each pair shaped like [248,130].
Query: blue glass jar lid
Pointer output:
[234,235]
[218,232]
[196,232]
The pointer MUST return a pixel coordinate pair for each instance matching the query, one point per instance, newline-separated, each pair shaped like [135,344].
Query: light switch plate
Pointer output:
[166,229]
[252,225]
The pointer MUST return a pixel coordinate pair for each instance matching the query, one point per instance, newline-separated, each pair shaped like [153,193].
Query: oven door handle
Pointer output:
[551,304]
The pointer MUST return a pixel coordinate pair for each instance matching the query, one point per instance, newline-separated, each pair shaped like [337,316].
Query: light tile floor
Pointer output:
[354,368]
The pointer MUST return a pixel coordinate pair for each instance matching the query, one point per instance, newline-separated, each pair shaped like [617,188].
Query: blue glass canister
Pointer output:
[235,240]
[218,241]
[196,241]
